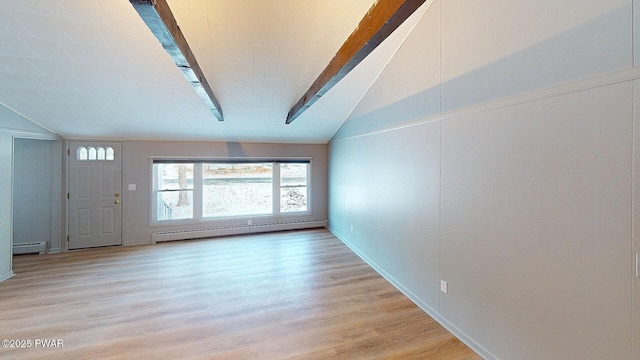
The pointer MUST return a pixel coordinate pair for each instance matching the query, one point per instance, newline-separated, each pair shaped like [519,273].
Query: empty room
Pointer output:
[320,179]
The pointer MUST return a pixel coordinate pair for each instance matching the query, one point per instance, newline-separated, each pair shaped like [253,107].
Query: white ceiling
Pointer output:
[92,68]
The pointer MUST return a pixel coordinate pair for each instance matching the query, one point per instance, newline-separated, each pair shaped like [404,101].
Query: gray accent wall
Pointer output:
[636,221]
[37,192]
[496,153]
[138,156]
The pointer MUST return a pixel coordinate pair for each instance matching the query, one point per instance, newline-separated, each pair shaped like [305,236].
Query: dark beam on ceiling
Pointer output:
[380,21]
[160,20]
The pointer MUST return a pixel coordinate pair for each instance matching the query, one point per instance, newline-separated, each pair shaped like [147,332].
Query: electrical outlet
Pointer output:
[444,287]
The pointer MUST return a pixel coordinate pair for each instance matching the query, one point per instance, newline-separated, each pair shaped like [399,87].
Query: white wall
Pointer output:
[16,124]
[12,126]
[496,152]
[6,154]
[136,227]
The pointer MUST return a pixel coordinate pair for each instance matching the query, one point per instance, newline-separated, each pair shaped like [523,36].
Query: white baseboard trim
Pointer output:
[187,234]
[6,276]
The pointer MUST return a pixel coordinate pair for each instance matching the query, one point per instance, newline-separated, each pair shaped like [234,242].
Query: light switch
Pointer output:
[444,287]
[132,187]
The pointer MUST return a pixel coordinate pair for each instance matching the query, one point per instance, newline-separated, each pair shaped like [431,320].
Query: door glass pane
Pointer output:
[237,189]
[81,153]
[110,153]
[92,153]
[101,153]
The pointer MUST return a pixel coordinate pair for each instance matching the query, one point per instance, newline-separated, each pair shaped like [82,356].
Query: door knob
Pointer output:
[117,201]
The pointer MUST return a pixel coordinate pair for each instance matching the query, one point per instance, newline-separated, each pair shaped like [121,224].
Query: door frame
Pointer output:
[66,158]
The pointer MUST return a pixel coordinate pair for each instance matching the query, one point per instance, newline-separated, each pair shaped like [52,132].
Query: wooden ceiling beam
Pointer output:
[380,21]
[160,20]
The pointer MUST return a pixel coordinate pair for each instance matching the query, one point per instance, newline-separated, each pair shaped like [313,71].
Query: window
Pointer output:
[174,194]
[293,187]
[237,189]
[207,190]
[91,153]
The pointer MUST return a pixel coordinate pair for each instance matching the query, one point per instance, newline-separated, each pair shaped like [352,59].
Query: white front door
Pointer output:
[95,186]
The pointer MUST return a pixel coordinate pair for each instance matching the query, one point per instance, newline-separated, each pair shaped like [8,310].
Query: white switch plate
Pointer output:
[132,187]
[444,287]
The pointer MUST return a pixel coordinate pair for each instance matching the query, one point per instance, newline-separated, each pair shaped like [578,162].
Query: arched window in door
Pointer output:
[91,153]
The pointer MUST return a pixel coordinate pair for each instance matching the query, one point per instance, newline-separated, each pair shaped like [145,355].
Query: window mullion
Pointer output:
[276,188]
[308,184]
[197,191]
[155,210]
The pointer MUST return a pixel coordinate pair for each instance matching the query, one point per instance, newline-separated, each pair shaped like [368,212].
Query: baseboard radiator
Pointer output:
[31,248]
[173,235]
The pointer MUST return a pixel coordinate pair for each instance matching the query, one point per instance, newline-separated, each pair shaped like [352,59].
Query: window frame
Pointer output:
[198,188]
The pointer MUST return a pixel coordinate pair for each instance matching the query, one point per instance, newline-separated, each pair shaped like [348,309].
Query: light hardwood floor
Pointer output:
[288,295]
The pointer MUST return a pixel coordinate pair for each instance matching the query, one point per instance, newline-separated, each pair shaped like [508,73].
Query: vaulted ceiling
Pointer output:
[93,69]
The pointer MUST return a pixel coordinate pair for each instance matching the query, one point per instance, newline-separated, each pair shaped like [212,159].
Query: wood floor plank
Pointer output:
[288,295]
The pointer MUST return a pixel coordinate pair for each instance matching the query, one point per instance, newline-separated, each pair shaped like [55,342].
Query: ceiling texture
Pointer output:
[93,69]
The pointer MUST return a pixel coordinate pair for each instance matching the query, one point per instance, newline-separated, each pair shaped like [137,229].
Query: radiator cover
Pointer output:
[31,248]
[173,235]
